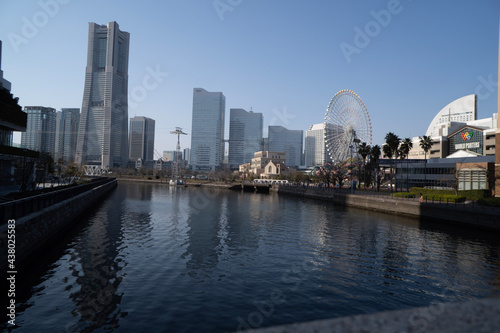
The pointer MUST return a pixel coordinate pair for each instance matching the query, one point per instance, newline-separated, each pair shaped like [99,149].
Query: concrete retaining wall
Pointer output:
[36,229]
[457,214]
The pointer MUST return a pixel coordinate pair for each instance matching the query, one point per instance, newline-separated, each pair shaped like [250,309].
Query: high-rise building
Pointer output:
[171,156]
[187,155]
[207,130]
[40,132]
[103,131]
[315,151]
[67,121]
[288,141]
[3,82]
[142,138]
[245,136]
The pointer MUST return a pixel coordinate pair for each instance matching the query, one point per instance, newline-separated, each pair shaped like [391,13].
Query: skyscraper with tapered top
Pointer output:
[103,129]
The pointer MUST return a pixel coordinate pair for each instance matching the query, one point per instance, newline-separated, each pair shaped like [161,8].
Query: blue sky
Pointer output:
[284,58]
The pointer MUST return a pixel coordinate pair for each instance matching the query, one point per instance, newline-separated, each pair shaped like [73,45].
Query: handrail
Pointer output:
[18,208]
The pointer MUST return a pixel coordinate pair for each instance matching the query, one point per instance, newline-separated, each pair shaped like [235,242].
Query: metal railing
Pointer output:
[18,208]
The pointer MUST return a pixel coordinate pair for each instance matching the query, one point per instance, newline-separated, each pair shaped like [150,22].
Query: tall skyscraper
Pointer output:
[142,138]
[103,130]
[207,130]
[288,141]
[315,152]
[245,136]
[40,132]
[67,121]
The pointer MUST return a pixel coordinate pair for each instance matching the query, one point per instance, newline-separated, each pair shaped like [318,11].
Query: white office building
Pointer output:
[315,151]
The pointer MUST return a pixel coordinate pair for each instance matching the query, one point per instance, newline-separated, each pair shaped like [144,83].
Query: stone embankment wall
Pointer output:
[457,214]
[34,230]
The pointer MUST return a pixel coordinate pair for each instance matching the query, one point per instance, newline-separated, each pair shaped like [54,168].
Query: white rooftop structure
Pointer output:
[462,110]
[463,153]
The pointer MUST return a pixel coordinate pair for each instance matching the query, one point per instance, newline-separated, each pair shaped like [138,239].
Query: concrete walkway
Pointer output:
[473,316]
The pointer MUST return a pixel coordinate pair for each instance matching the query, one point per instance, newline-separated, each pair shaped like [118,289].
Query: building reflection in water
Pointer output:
[127,215]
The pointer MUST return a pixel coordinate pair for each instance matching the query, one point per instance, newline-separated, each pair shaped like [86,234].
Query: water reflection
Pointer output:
[98,252]
[199,260]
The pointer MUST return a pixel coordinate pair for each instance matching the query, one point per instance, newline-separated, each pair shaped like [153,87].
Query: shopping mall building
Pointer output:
[462,153]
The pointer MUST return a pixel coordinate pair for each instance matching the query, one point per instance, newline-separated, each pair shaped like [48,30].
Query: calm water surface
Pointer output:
[152,258]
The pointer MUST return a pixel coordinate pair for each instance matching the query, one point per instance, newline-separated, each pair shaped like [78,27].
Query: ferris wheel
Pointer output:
[347,123]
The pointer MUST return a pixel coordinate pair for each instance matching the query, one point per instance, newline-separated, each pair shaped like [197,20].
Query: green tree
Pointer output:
[426,145]
[392,143]
[404,151]
[374,157]
[46,163]
[364,150]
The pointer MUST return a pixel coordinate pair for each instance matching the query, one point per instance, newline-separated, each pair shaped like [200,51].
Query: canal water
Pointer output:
[153,258]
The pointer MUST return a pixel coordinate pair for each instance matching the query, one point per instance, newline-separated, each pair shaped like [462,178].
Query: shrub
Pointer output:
[494,202]
[403,195]
[445,198]
[469,195]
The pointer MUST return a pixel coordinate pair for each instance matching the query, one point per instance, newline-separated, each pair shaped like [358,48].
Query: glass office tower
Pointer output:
[288,141]
[207,130]
[142,138]
[40,132]
[67,121]
[245,136]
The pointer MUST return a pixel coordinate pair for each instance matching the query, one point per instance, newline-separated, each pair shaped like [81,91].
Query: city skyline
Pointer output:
[405,68]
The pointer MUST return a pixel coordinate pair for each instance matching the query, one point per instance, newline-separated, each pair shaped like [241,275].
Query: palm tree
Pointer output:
[392,144]
[374,157]
[364,151]
[425,144]
[404,149]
